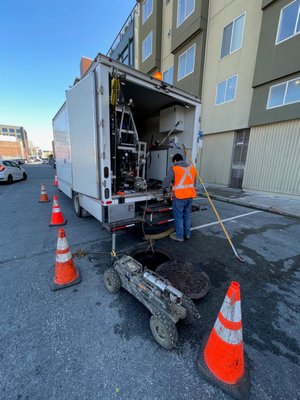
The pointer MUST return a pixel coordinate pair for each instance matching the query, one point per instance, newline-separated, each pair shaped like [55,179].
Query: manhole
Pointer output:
[151,259]
[182,275]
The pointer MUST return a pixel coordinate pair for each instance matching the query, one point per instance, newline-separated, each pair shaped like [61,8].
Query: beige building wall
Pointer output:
[273,161]
[167,58]
[235,114]
[215,158]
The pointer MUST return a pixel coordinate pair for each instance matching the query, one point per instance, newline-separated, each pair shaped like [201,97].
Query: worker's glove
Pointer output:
[165,193]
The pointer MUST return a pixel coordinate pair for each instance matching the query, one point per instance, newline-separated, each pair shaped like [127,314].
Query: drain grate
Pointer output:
[194,284]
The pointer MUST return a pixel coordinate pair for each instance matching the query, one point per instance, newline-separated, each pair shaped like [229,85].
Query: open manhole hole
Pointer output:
[182,275]
[151,259]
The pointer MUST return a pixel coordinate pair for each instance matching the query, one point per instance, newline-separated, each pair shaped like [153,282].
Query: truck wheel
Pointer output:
[77,207]
[164,330]
[192,314]
[112,280]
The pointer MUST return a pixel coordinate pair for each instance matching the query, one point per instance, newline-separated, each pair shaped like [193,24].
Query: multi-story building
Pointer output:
[227,89]
[273,161]
[242,58]
[251,95]
[13,142]
[171,38]
[123,47]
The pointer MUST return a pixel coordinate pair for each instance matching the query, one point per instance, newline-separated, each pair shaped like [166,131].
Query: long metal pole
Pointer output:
[213,207]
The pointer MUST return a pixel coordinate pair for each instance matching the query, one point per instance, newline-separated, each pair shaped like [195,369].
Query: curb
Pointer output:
[269,209]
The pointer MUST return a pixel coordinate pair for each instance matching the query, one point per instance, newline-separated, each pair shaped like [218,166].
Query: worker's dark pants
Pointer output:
[182,217]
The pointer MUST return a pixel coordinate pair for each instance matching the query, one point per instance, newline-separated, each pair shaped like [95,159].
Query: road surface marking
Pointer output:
[224,220]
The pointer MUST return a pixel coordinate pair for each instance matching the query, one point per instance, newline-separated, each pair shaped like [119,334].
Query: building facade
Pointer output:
[242,58]
[123,47]
[251,115]
[13,142]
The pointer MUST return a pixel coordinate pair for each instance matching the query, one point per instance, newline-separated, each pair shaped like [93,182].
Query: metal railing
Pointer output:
[122,32]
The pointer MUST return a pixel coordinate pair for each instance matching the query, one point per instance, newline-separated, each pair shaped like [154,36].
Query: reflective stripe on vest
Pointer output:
[185,187]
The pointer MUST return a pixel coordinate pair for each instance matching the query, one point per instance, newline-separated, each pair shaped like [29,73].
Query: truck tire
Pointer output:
[192,314]
[112,280]
[164,331]
[77,206]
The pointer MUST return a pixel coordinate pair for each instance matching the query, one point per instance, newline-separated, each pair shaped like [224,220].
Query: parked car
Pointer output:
[10,171]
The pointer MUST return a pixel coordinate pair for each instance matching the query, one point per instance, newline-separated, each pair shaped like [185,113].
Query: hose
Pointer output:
[238,257]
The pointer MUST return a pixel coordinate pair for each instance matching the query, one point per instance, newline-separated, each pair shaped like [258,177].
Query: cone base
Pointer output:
[55,286]
[240,391]
[44,201]
[62,223]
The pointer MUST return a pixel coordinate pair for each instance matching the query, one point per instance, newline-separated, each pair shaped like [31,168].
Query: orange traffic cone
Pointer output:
[55,181]
[65,272]
[43,196]
[221,358]
[57,217]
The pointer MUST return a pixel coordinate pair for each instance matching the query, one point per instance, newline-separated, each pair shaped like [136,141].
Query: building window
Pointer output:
[147,9]
[11,130]
[18,130]
[233,36]
[284,93]
[147,47]
[168,75]
[289,22]
[184,9]
[186,63]
[124,56]
[226,90]
[4,129]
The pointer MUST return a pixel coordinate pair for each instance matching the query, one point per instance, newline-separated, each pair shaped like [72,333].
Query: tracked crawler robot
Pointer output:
[166,304]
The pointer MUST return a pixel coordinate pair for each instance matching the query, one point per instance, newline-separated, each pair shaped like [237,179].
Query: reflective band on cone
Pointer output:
[221,357]
[65,272]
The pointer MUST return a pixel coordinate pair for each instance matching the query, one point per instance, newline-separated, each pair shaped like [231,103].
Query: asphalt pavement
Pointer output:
[85,343]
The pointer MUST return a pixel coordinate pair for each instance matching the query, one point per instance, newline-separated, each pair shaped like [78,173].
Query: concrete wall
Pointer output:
[235,114]
[273,161]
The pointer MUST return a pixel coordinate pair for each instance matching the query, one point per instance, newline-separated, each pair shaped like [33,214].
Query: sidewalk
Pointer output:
[261,201]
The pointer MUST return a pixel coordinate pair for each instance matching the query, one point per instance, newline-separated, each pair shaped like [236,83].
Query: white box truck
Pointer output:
[114,139]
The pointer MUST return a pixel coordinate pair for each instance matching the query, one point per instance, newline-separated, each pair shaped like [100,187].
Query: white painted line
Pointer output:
[224,220]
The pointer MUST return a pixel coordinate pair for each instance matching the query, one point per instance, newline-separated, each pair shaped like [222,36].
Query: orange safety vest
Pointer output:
[184,182]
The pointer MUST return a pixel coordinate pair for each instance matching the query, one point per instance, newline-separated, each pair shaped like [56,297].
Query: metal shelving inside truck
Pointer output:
[115,136]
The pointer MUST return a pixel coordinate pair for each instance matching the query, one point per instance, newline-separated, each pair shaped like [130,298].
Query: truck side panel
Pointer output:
[81,102]
[62,151]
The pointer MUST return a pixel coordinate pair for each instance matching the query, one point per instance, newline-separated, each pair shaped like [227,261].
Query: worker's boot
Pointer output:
[174,237]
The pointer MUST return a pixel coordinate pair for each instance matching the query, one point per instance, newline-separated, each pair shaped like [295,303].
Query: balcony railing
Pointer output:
[122,32]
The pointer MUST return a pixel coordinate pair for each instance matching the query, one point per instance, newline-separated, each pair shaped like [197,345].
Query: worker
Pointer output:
[183,177]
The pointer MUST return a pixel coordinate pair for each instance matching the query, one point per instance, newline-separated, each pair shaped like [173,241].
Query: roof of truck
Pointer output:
[122,68]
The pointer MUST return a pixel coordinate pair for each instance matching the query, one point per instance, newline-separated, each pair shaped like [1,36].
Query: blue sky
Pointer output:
[41,43]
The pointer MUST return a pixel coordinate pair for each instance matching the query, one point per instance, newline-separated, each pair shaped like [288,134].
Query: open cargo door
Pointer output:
[84,146]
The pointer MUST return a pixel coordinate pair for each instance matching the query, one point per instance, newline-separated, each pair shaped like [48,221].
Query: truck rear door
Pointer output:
[81,103]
